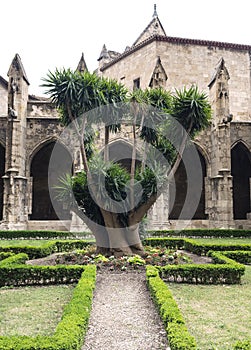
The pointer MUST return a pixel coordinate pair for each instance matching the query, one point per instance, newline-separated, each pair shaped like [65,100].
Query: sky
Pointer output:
[52,34]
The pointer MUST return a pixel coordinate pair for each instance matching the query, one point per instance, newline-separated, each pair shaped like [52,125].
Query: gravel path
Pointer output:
[123,315]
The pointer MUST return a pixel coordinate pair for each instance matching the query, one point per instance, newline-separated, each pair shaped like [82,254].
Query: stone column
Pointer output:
[15,208]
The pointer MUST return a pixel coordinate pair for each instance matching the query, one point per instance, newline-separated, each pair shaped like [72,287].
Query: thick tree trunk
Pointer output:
[122,242]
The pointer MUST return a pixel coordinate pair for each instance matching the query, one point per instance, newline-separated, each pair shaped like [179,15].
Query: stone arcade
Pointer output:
[30,127]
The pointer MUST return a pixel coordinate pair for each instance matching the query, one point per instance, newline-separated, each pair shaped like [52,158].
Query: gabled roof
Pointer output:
[219,68]
[154,28]
[18,65]
[107,54]
[82,67]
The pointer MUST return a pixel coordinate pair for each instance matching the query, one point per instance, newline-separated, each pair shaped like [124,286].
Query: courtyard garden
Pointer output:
[200,286]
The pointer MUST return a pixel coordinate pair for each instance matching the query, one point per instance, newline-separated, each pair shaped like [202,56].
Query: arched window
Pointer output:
[241,172]
[42,208]
[178,192]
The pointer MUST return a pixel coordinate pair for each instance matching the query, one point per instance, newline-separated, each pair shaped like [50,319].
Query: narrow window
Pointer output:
[136,83]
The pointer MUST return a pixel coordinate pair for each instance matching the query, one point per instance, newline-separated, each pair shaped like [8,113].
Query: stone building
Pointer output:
[30,127]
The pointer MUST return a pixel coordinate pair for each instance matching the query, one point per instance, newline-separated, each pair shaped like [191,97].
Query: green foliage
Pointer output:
[70,332]
[14,259]
[45,248]
[243,257]
[224,270]
[202,248]
[177,333]
[191,109]
[26,234]
[75,93]
[204,232]
[243,345]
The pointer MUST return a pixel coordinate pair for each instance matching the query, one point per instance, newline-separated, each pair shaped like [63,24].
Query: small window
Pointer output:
[136,83]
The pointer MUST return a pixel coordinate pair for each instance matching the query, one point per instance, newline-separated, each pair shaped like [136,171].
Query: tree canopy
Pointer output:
[113,199]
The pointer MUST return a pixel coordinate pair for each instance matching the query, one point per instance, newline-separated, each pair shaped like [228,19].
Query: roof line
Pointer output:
[177,40]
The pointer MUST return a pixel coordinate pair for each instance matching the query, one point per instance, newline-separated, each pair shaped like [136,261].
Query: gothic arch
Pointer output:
[178,191]
[40,145]
[203,152]
[120,151]
[2,172]
[42,207]
[241,172]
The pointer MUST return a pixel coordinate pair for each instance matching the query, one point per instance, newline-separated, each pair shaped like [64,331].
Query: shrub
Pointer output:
[217,233]
[177,333]
[71,329]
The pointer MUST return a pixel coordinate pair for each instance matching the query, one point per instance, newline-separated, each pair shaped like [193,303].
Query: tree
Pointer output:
[112,200]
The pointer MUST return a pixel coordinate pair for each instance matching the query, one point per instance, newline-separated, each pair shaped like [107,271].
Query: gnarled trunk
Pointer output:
[122,241]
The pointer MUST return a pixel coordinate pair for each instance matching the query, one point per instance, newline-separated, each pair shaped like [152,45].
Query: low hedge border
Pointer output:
[20,258]
[243,257]
[177,333]
[14,272]
[21,275]
[203,248]
[193,246]
[217,233]
[4,255]
[41,234]
[224,269]
[46,248]
[71,330]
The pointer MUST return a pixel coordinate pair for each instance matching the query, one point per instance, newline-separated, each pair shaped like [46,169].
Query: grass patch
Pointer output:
[217,316]
[223,240]
[32,310]
[24,242]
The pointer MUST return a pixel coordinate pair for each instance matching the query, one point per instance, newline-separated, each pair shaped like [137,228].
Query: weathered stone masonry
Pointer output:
[30,127]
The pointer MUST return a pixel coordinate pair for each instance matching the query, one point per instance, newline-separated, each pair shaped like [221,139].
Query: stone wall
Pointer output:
[186,64]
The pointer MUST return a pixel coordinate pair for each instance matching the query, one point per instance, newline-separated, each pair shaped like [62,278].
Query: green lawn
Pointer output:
[32,310]
[23,242]
[217,316]
[223,240]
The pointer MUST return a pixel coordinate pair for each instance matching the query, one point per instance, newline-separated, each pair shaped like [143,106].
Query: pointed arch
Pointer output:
[241,172]
[42,207]
[178,190]
[120,151]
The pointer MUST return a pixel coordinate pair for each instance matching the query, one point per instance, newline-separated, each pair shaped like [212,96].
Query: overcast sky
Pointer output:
[54,33]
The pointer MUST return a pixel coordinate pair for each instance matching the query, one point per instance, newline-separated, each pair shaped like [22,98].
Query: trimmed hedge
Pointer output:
[4,255]
[47,248]
[243,257]
[41,234]
[224,270]
[203,248]
[71,330]
[20,275]
[193,246]
[217,233]
[173,243]
[177,333]
[14,259]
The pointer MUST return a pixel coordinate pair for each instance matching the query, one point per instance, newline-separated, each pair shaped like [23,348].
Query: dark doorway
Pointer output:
[241,172]
[178,192]
[42,208]
[121,152]
[2,172]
